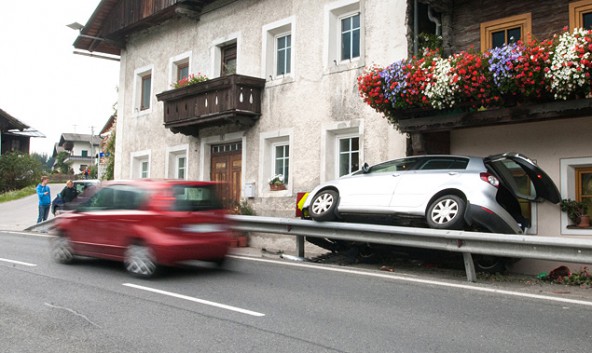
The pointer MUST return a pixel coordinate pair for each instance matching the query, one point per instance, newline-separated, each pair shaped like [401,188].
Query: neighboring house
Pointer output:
[82,150]
[15,136]
[106,133]
[281,96]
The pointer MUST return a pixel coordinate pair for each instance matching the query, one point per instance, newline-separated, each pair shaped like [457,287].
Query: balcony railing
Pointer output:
[228,100]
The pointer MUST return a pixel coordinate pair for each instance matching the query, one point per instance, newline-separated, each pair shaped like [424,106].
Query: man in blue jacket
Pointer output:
[44,199]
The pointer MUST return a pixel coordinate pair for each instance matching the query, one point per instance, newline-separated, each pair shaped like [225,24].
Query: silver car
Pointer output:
[445,191]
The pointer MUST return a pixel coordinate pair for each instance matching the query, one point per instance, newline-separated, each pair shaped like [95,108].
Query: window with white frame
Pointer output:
[281,160]
[345,40]
[278,51]
[341,149]
[274,158]
[143,90]
[576,184]
[179,67]
[140,167]
[349,155]
[176,162]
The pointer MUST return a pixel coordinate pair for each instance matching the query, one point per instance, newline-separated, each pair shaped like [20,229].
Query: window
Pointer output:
[278,53]
[140,165]
[144,169]
[576,184]
[282,161]
[274,159]
[580,14]
[583,185]
[349,155]
[182,70]
[284,56]
[350,37]
[506,30]
[180,167]
[145,95]
[345,34]
[142,90]
[228,65]
[84,153]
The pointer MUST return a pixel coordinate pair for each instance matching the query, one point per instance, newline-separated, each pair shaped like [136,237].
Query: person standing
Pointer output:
[44,195]
[69,192]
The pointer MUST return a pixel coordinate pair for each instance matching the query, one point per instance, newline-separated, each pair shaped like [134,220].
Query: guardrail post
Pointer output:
[300,245]
[469,267]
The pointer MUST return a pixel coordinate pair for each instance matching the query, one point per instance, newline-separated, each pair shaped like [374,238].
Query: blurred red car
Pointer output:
[146,224]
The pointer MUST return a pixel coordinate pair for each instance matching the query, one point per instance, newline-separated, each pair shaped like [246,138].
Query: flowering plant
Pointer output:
[190,80]
[536,70]
[277,179]
[569,72]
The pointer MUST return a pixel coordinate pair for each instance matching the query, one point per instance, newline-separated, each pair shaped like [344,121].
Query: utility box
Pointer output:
[250,190]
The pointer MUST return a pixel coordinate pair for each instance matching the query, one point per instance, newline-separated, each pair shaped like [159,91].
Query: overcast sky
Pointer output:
[42,83]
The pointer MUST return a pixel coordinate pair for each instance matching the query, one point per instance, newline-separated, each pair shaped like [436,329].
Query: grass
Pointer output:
[17,194]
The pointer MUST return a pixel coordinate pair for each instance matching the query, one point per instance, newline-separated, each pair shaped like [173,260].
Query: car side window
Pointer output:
[443,163]
[102,200]
[394,166]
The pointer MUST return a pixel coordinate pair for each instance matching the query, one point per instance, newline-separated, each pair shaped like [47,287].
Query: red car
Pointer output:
[145,224]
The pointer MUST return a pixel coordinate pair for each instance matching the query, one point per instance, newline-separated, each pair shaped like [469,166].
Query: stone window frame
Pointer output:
[171,161]
[137,159]
[267,143]
[334,13]
[568,168]
[139,75]
[270,33]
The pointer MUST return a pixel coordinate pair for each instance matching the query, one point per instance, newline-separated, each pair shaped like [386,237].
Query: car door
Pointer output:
[430,175]
[373,189]
[523,177]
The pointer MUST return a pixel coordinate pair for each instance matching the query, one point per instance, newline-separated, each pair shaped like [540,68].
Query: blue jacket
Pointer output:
[44,199]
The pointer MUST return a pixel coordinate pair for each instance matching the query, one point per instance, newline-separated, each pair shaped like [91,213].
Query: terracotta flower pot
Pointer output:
[584,221]
[277,187]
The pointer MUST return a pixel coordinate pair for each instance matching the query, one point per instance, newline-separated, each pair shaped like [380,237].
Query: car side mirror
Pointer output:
[365,168]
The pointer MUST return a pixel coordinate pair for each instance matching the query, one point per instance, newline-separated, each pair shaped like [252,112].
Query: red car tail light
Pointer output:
[489,178]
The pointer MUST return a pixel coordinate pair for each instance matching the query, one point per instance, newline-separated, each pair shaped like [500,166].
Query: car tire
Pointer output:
[139,261]
[61,249]
[490,264]
[446,212]
[322,208]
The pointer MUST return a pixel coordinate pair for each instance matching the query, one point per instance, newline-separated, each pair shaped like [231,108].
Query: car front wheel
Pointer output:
[446,212]
[322,207]
[61,250]
[140,261]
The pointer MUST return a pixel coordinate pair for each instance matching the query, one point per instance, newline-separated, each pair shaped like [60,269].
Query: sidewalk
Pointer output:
[21,214]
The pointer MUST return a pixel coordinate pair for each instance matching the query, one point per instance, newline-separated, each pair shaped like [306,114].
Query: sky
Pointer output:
[42,83]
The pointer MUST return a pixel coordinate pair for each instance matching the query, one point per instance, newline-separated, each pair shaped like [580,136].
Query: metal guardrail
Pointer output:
[467,243]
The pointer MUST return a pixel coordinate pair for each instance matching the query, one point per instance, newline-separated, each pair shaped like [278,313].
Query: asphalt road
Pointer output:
[22,213]
[267,305]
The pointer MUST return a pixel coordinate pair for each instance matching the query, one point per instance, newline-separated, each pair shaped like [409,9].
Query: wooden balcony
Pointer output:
[228,100]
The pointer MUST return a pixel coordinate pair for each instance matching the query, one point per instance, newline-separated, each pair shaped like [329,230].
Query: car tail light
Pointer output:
[486,177]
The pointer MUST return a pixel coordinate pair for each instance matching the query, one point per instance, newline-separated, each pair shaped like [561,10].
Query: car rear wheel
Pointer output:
[446,212]
[61,250]
[490,264]
[140,261]
[322,207]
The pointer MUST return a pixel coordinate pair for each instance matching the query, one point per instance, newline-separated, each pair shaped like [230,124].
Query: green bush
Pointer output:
[18,170]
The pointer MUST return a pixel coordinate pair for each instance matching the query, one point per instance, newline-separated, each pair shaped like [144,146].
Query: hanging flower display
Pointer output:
[559,68]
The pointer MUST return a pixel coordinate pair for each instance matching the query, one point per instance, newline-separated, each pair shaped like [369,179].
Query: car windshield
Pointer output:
[195,198]
[516,178]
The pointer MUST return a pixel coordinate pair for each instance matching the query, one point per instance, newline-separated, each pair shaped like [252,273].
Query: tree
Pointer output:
[44,160]
[60,165]
[18,170]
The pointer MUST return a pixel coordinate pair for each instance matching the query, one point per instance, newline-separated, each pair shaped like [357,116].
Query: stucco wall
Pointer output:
[546,142]
[317,96]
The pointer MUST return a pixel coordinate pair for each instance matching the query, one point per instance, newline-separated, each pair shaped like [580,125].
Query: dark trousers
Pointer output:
[43,213]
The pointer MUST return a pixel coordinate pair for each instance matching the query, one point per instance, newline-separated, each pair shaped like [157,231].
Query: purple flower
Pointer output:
[501,64]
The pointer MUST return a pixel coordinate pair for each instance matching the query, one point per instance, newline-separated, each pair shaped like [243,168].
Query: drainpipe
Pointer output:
[415,27]
[435,20]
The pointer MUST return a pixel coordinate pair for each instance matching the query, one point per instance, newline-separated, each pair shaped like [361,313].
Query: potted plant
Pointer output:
[576,212]
[277,183]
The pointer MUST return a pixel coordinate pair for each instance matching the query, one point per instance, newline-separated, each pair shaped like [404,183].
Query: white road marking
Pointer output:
[422,281]
[196,300]
[18,262]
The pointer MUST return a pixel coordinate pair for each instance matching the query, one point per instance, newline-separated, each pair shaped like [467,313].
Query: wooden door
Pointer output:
[226,167]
